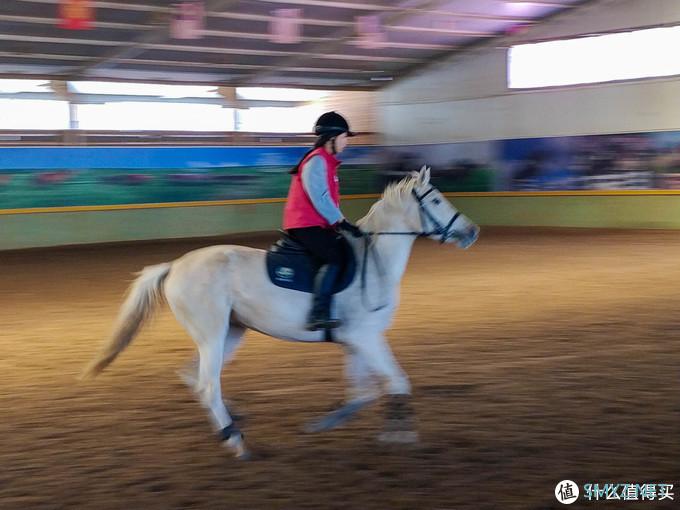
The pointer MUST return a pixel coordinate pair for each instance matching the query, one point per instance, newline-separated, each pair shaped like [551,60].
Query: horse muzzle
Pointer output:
[469,237]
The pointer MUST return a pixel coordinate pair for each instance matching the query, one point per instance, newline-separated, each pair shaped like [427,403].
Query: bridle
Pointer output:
[445,231]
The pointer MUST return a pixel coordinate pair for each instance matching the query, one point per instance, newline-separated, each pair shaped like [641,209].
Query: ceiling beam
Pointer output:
[201,49]
[78,98]
[98,4]
[436,30]
[175,63]
[41,20]
[42,56]
[184,80]
[542,4]
[339,23]
[276,53]
[186,63]
[59,40]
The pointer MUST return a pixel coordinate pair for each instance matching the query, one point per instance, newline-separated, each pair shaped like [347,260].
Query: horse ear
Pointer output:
[424,175]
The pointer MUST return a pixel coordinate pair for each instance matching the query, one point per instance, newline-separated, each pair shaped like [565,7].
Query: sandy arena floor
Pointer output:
[536,356]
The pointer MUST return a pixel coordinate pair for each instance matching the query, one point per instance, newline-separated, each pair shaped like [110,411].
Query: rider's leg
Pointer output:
[327,246]
[324,282]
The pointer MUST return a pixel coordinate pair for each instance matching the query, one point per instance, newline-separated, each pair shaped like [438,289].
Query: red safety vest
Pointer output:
[299,211]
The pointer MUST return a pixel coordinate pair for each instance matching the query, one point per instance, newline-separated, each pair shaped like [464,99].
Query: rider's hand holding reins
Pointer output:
[349,227]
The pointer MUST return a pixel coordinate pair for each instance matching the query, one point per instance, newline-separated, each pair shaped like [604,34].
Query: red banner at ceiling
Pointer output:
[76,14]
[286,26]
[369,32]
[188,20]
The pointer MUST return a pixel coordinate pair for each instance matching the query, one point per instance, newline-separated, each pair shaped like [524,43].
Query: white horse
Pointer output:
[219,292]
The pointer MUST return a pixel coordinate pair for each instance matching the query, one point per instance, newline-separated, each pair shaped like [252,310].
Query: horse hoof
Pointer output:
[237,446]
[245,456]
[337,417]
[399,437]
[187,378]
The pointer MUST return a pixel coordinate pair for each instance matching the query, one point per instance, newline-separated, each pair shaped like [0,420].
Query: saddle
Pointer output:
[291,266]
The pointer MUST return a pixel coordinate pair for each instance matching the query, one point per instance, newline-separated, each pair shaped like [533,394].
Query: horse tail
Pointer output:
[143,297]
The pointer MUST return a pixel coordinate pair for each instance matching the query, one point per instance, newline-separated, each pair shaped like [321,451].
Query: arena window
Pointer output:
[302,108]
[279,94]
[603,58]
[155,116]
[296,119]
[143,89]
[31,104]
[126,106]
[148,106]
[33,114]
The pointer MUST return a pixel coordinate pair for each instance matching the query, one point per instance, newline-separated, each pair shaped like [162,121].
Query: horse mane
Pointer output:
[395,192]
[392,197]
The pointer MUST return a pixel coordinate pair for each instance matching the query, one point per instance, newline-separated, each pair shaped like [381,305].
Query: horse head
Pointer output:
[435,217]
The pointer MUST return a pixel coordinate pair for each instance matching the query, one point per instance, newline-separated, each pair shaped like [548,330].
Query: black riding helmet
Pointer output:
[332,124]
[327,127]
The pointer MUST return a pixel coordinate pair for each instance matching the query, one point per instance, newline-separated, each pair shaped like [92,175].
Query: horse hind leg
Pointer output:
[189,372]
[209,328]
[211,357]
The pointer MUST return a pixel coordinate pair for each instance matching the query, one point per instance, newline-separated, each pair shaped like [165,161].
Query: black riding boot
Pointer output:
[324,282]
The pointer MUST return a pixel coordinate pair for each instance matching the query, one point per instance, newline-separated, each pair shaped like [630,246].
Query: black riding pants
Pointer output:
[325,244]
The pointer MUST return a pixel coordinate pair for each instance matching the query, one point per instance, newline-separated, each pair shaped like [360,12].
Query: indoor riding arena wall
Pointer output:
[66,195]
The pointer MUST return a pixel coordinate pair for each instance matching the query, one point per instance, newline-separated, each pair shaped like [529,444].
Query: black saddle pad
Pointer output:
[290,266]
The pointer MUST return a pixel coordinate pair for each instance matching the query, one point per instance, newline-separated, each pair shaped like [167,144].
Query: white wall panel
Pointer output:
[466,98]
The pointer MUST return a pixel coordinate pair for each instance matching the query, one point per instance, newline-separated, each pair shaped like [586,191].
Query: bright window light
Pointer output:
[279,94]
[624,56]
[142,89]
[518,8]
[279,120]
[132,116]
[33,114]
[16,86]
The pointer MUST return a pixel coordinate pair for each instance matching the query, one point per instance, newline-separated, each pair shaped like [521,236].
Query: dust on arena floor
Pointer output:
[536,356]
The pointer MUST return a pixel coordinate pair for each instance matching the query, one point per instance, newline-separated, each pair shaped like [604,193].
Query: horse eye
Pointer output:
[436,201]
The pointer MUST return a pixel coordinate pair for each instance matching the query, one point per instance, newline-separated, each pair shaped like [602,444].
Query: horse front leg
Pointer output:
[376,354]
[362,385]
[362,390]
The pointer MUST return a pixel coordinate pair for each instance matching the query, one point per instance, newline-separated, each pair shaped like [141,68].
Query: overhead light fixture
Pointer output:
[382,78]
